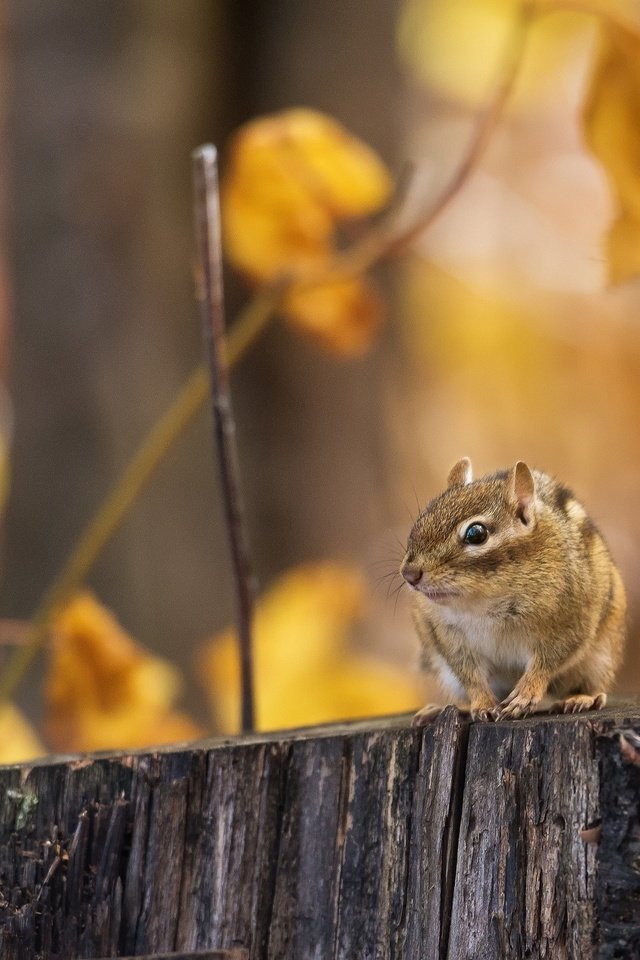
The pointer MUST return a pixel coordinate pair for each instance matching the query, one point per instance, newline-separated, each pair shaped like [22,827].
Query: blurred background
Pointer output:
[502,337]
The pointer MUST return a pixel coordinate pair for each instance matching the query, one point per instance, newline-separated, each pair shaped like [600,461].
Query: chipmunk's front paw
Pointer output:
[483,714]
[483,709]
[519,703]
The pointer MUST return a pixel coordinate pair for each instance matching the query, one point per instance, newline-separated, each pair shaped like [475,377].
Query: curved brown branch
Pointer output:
[386,240]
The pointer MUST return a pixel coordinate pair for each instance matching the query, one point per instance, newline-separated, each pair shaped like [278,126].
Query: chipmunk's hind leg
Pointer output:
[580,692]
[580,703]
[583,687]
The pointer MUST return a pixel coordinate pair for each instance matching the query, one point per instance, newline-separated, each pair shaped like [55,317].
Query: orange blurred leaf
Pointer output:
[612,129]
[305,669]
[341,315]
[291,178]
[103,690]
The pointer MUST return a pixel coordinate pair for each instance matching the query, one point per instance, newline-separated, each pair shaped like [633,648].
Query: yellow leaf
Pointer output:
[620,13]
[290,179]
[455,46]
[103,690]
[341,315]
[264,243]
[305,670]
[458,47]
[612,129]
[623,249]
[18,739]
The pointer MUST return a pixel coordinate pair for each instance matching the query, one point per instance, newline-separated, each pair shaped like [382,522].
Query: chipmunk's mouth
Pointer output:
[438,596]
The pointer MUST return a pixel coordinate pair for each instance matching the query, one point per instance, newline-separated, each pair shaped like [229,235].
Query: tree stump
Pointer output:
[459,841]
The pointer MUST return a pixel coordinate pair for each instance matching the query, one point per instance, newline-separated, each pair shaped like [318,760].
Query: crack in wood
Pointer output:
[271,886]
[452,837]
[345,796]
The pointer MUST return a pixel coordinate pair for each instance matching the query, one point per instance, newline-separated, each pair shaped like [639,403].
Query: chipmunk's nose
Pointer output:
[412,573]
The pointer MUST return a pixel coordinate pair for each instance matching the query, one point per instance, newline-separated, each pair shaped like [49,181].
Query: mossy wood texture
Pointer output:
[369,840]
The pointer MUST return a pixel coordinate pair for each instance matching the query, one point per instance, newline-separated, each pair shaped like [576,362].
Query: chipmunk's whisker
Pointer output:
[386,576]
[396,593]
[390,585]
[402,545]
[411,516]
[389,576]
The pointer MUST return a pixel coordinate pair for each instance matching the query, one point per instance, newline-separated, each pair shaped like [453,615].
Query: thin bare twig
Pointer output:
[207,216]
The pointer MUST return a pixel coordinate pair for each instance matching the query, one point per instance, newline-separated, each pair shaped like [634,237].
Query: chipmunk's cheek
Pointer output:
[442,599]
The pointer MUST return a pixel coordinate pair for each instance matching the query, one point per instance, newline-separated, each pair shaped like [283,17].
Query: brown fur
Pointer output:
[538,608]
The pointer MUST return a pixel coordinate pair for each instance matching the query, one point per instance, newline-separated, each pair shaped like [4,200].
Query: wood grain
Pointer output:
[197,955]
[525,879]
[369,840]
[618,875]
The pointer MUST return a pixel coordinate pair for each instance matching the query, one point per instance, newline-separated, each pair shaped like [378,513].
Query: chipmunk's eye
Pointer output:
[475,534]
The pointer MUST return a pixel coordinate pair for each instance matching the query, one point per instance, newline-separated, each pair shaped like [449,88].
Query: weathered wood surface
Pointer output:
[618,893]
[239,954]
[371,840]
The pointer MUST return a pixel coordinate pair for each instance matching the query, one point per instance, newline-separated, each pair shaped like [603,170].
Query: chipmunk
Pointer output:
[515,595]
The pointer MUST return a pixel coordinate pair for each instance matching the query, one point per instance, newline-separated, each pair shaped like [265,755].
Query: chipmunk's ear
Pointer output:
[523,491]
[460,474]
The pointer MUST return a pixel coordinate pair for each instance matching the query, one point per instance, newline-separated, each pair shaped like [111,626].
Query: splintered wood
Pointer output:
[369,840]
